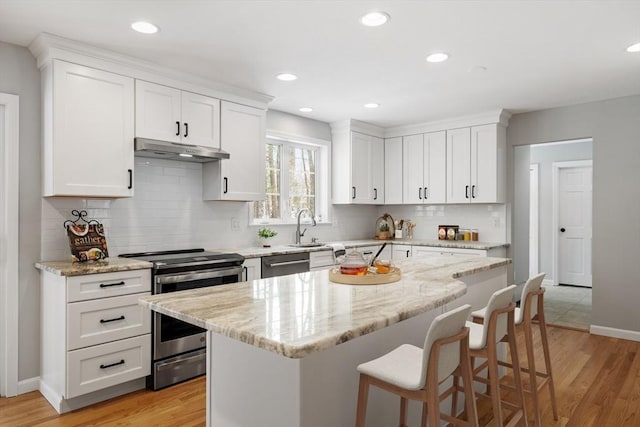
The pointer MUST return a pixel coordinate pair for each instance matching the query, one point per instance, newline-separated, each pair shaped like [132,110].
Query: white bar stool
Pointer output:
[483,342]
[415,373]
[532,308]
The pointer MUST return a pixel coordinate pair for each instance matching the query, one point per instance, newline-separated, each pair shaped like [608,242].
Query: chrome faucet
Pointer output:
[299,233]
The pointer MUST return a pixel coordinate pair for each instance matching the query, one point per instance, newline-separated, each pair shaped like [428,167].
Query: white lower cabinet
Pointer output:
[401,251]
[369,251]
[320,260]
[432,251]
[252,269]
[95,338]
[100,366]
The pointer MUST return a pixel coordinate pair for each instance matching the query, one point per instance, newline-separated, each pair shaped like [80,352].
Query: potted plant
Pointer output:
[265,234]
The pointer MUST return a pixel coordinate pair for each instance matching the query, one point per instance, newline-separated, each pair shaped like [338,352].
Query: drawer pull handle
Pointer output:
[121,362]
[112,320]
[108,285]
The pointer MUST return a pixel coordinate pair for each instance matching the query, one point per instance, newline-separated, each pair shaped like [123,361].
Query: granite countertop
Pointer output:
[257,252]
[299,314]
[109,265]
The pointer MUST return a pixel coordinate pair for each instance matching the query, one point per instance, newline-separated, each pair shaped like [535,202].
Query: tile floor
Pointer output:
[568,306]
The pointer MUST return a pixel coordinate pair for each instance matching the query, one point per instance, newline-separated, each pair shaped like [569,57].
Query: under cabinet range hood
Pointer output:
[175,151]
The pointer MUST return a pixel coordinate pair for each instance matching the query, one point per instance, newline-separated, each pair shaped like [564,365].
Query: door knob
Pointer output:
[563,229]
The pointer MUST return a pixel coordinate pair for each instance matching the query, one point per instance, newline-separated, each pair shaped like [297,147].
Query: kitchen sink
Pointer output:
[306,245]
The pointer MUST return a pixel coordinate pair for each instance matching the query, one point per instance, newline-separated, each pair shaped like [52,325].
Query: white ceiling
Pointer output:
[538,54]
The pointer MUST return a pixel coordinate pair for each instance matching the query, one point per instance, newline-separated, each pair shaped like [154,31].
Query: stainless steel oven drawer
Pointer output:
[177,369]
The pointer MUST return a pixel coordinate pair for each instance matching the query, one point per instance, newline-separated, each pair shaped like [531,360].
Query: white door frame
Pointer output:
[555,167]
[534,219]
[9,156]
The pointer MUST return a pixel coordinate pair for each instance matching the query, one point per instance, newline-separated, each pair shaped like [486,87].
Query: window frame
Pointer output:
[322,178]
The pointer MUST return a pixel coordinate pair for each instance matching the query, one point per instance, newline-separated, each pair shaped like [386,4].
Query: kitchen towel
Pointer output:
[338,252]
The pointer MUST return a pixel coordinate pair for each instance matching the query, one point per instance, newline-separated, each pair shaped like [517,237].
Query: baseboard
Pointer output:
[29,385]
[615,333]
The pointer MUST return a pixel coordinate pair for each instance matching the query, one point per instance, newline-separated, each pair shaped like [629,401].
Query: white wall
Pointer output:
[19,76]
[615,129]
[545,155]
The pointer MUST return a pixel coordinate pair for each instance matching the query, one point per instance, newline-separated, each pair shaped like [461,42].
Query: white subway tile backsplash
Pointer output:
[167,212]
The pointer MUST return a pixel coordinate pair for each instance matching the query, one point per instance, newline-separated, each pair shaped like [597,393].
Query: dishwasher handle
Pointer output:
[280,264]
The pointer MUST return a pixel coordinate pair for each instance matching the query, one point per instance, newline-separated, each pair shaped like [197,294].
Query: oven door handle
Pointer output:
[206,274]
[195,358]
[280,264]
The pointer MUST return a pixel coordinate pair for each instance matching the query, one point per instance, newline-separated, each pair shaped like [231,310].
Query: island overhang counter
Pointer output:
[283,351]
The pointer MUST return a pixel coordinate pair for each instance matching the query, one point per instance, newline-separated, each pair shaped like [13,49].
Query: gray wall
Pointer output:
[20,76]
[544,156]
[614,126]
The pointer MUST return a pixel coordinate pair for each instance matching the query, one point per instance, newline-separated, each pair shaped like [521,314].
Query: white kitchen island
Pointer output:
[282,352]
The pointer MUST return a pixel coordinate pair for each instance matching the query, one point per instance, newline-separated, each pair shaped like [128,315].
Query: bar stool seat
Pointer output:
[415,373]
[532,308]
[483,343]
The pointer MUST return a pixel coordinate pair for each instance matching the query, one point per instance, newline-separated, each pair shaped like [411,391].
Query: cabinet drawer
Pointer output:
[101,366]
[103,320]
[321,259]
[92,286]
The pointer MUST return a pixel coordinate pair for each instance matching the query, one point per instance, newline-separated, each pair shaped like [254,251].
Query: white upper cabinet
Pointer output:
[88,129]
[476,161]
[358,167]
[377,170]
[242,176]
[201,120]
[173,115]
[393,171]
[424,168]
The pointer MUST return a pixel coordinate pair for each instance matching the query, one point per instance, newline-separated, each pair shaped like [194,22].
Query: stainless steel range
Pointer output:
[179,348]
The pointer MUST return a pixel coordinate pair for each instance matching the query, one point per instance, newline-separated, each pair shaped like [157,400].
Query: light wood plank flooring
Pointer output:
[597,384]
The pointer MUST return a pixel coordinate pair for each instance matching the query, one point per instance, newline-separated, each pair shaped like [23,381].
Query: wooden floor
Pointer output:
[597,384]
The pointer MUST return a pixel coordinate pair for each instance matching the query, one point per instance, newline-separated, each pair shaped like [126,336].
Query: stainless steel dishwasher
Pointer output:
[281,265]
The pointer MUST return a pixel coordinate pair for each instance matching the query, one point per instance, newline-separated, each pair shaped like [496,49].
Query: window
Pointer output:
[295,178]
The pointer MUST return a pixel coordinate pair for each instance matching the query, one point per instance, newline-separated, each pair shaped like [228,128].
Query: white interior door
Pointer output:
[574,225]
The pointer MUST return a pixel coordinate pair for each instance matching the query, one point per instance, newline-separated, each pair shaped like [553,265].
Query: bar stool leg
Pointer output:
[547,361]
[363,397]
[403,411]
[528,338]
[467,379]
[492,359]
[513,349]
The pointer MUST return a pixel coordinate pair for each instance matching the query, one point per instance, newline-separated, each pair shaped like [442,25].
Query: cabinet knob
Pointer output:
[563,229]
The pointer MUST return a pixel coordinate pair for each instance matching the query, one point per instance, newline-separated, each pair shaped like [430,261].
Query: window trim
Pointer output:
[323,176]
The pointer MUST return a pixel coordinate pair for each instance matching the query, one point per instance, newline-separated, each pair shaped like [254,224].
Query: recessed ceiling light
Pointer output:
[287,77]
[144,27]
[634,48]
[306,109]
[437,57]
[375,19]
[371,105]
